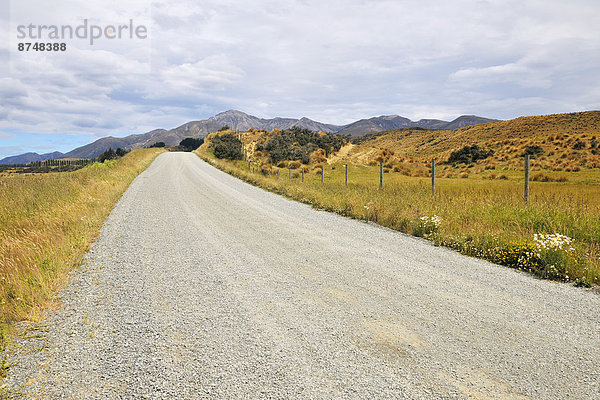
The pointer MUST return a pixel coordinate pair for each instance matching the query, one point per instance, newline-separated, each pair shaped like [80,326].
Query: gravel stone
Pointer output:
[202,286]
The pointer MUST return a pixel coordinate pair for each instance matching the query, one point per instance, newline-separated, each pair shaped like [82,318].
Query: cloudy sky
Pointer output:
[333,61]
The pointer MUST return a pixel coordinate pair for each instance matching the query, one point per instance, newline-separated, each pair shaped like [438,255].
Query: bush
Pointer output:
[157,144]
[107,155]
[110,154]
[469,154]
[545,178]
[227,146]
[579,145]
[299,144]
[554,253]
[533,151]
[294,164]
[224,128]
[427,226]
[548,255]
[191,144]
[519,255]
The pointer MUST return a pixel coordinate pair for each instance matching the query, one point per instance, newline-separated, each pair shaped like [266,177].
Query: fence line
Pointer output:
[433,170]
[433,176]
[49,165]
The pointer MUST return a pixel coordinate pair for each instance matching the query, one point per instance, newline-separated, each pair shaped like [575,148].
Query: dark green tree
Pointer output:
[107,155]
[227,146]
[191,144]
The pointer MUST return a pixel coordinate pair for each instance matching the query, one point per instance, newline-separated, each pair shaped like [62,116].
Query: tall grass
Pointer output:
[479,217]
[47,222]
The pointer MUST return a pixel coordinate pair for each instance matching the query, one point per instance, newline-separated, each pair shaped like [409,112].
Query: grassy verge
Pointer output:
[476,216]
[47,222]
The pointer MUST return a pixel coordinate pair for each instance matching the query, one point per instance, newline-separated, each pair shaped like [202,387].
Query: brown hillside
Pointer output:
[568,141]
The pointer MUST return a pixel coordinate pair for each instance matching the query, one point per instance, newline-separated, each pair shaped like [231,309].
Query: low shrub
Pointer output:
[294,164]
[227,146]
[533,151]
[469,154]
[427,226]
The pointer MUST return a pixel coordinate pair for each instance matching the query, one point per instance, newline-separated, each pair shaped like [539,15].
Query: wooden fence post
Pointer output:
[289,173]
[346,174]
[322,173]
[302,174]
[277,173]
[380,174]
[433,177]
[527,179]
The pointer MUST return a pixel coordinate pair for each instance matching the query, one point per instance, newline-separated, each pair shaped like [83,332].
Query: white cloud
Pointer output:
[211,73]
[516,73]
[334,61]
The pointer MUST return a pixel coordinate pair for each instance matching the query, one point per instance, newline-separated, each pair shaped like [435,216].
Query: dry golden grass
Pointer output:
[47,222]
[573,137]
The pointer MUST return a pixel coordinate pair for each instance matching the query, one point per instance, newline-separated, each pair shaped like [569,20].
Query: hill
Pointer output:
[101,145]
[388,122]
[30,157]
[561,142]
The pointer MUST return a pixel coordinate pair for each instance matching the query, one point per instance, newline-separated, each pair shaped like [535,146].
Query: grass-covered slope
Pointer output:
[569,141]
[47,222]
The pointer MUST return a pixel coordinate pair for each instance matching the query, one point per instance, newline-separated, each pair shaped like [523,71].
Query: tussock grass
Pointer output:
[47,222]
[569,142]
[479,217]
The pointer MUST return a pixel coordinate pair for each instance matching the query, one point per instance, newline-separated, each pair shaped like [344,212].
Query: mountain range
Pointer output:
[241,121]
[30,157]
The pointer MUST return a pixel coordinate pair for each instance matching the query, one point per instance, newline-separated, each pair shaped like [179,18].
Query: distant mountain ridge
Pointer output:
[30,157]
[388,122]
[240,121]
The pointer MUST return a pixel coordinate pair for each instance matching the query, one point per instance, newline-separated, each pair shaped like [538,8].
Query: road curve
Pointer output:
[202,286]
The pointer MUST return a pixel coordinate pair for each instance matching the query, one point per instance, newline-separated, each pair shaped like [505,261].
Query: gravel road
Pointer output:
[202,286]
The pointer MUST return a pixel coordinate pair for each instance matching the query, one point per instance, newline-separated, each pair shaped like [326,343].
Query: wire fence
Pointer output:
[321,171]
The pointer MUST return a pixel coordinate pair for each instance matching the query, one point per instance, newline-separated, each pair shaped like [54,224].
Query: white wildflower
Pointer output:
[554,241]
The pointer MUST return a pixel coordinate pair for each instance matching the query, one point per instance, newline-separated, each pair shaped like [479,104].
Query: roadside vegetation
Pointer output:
[47,222]
[478,208]
[190,144]
[227,145]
